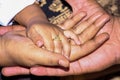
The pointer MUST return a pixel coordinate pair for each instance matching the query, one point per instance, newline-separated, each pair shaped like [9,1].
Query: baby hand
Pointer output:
[52,37]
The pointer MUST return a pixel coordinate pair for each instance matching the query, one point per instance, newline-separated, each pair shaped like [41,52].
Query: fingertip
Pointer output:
[78,17]
[83,13]
[38,71]
[13,71]
[64,63]
[107,16]
[77,40]
[102,38]
[66,53]
[64,60]
[39,43]
[102,20]
[106,36]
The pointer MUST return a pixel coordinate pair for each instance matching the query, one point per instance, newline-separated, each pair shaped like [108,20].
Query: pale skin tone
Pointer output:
[106,56]
[88,43]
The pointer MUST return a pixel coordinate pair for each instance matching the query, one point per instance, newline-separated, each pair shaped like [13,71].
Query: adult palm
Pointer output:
[106,56]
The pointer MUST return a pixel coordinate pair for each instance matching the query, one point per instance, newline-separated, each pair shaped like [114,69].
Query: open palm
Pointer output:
[106,56]
[102,58]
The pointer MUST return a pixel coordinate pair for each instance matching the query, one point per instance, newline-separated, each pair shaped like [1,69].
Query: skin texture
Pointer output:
[40,30]
[106,56]
[21,46]
[95,23]
[92,21]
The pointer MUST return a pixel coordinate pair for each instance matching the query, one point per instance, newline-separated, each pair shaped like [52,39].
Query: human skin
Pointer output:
[39,29]
[15,46]
[88,45]
[106,56]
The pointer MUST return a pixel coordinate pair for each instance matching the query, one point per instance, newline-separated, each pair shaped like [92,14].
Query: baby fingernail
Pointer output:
[67,56]
[39,43]
[78,42]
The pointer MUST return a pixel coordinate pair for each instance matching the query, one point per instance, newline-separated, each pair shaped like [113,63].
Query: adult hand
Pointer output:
[106,56]
[88,44]
[101,59]
[4,29]
[16,52]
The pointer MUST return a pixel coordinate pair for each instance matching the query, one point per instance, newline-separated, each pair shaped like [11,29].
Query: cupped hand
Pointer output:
[52,37]
[87,45]
[104,57]
[20,50]
[86,31]
[101,59]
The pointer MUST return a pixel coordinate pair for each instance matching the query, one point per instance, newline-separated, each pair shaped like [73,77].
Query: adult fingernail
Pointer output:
[82,14]
[64,63]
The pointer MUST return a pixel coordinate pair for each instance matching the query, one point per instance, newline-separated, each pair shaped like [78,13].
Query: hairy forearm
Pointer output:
[30,15]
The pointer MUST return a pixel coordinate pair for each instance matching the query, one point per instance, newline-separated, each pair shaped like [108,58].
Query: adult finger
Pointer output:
[39,56]
[88,47]
[49,71]
[68,24]
[71,35]
[18,27]
[80,67]
[16,70]
[90,32]
[84,25]
[4,29]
